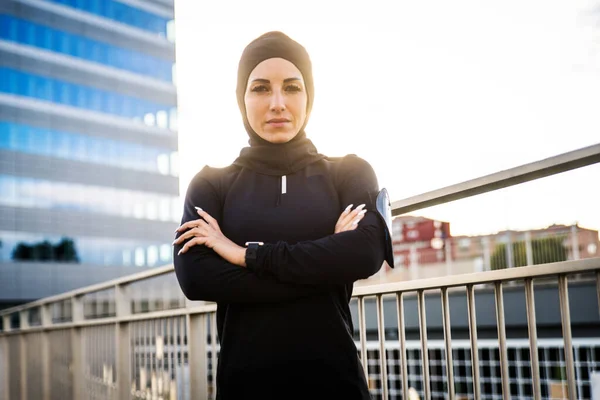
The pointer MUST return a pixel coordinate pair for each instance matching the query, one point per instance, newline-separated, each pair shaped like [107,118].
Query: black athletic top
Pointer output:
[284,324]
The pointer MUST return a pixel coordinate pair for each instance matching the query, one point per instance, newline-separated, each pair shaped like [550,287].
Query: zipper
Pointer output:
[282,189]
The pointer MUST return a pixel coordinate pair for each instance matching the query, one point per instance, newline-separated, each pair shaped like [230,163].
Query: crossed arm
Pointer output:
[211,267]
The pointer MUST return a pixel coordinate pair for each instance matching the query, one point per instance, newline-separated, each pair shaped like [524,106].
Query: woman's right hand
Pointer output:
[349,219]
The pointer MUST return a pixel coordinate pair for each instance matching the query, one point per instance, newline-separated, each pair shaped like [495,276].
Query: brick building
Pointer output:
[419,241]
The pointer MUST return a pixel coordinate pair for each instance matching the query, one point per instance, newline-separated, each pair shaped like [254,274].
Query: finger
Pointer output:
[189,225]
[193,242]
[197,231]
[208,218]
[358,213]
[351,216]
[346,211]
[353,224]
[341,219]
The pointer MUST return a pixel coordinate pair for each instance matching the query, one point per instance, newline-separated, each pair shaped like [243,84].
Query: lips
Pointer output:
[278,121]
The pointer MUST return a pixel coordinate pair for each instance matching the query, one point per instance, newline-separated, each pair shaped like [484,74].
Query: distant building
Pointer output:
[419,240]
[578,242]
[423,241]
[88,142]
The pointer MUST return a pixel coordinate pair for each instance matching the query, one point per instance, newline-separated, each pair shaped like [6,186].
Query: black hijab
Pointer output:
[263,156]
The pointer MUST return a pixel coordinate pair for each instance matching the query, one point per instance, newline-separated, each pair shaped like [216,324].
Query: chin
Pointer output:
[280,138]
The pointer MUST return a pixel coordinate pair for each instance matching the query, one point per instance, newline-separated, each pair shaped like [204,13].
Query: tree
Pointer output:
[544,250]
[43,251]
[22,252]
[63,251]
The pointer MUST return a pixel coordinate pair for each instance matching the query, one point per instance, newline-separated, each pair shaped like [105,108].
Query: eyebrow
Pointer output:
[268,81]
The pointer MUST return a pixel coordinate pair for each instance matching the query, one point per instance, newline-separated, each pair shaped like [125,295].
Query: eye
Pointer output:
[293,88]
[259,89]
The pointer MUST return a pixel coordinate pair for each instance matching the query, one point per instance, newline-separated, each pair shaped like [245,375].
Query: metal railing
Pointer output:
[104,342]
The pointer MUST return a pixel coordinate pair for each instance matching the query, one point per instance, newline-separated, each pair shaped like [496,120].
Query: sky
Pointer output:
[429,93]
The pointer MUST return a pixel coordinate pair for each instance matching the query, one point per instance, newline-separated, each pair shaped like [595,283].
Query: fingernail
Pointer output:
[173,244]
[198,208]
[362,213]
[355,223]
[179,252]
[348,208]
[360,207]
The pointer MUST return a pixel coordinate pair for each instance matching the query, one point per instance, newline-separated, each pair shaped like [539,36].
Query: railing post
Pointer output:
[448,250]
[123,342]
[413,263]
[528,248]
[472,316]
[23,324]
[77,348]
[6,323]
[575,242]
[5,379]
[565,319]
[509,251]
[197,357]
[46,322]
[487,253]
[501,325]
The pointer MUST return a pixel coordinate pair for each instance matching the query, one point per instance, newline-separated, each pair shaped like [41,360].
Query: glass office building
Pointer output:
[88,131]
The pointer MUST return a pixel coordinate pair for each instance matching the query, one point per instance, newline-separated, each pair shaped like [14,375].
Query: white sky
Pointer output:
[431,93]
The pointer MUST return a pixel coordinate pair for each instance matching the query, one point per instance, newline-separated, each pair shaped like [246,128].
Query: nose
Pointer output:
[277,102]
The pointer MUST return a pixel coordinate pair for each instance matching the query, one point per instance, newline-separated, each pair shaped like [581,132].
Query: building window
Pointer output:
[162,161]
[149,119]
[165,253]
[173,119]
[127,257]
[152,255]
[464,243]
[139,257]
[162,119]
[174,163]
[171,31]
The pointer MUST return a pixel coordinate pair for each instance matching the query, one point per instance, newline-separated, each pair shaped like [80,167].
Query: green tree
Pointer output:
[22,252]
[544,250]
[43,251]
[63,251]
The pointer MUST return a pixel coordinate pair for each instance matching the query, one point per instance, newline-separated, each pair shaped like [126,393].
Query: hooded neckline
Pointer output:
[263,156]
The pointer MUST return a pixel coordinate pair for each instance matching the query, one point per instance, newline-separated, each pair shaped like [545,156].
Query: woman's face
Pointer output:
[276,100]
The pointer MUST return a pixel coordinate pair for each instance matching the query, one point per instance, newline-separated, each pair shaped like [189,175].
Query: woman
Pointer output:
[283,318]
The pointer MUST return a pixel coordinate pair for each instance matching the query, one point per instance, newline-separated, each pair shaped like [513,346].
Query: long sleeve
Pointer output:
[204,275]
[338,258]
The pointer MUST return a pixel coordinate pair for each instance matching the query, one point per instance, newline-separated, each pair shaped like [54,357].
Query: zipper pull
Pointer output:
[283,184]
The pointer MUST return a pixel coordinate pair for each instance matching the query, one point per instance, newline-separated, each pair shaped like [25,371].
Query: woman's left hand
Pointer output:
[206,231]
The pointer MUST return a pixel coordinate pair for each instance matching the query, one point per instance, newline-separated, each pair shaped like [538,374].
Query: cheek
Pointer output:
[300,110]
[252,110]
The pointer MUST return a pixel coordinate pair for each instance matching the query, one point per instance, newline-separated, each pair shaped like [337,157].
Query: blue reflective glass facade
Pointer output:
[46,88]
[103,251]
[132,133]
[32,34]
[72,146]
[46,194]
[120,12]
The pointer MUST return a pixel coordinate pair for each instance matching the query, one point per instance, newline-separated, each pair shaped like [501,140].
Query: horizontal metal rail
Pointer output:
[499,180]
[509,274]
